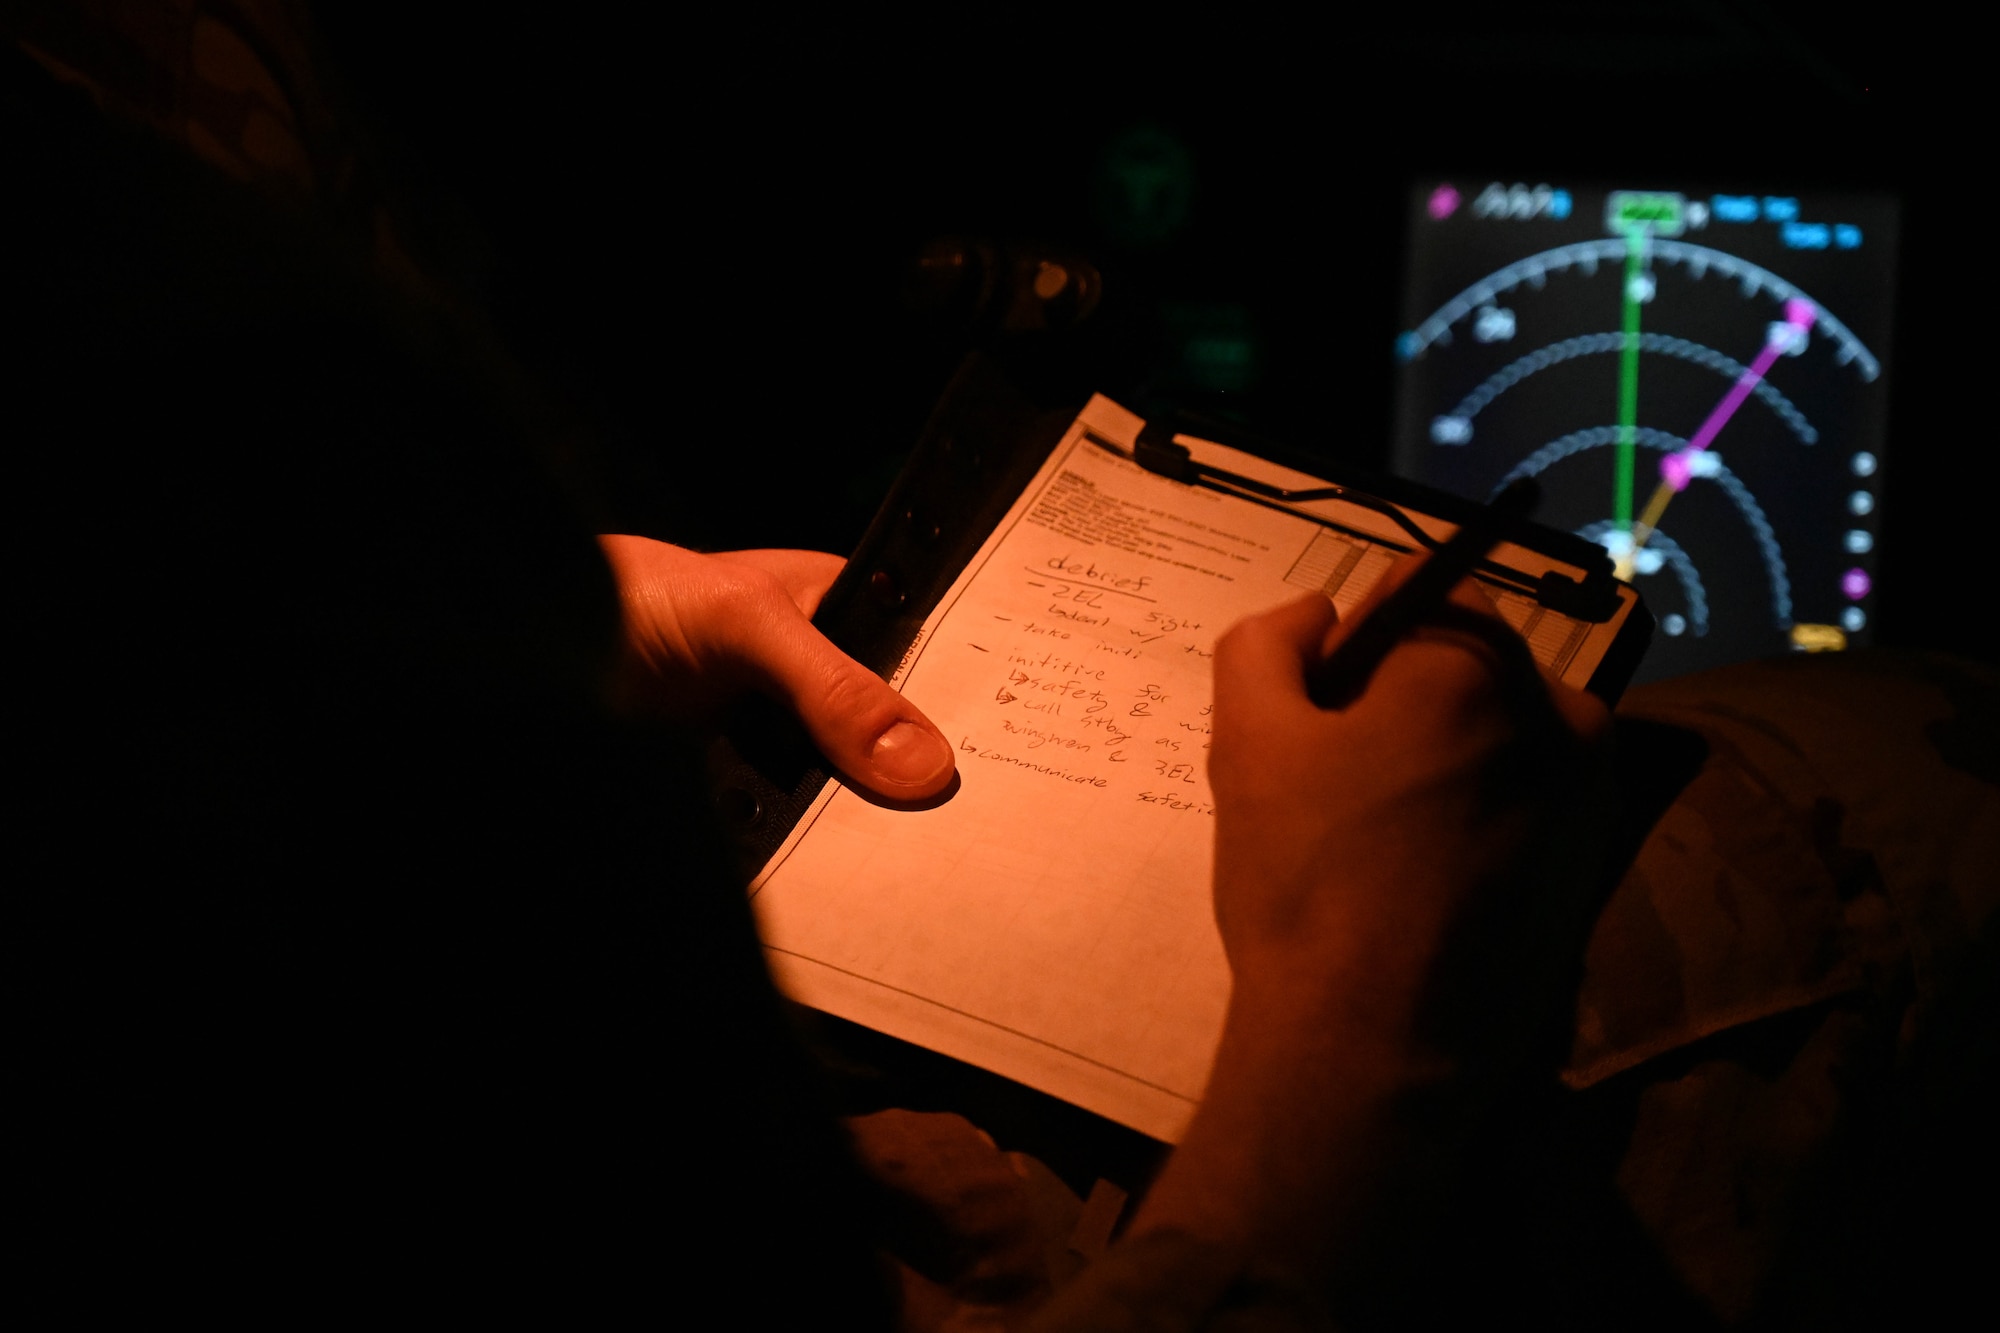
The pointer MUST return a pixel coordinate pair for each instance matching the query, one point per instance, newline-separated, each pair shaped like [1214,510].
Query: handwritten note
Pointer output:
[1052,921]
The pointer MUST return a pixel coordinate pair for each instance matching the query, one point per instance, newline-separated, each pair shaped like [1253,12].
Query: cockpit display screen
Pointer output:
[1697,378]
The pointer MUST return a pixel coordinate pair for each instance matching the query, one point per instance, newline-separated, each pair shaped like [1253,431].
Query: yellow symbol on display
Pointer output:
[1818,638]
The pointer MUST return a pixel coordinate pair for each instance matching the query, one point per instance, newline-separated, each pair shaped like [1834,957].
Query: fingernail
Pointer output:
[911,754]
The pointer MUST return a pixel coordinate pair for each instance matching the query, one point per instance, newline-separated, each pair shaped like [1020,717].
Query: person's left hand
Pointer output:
[702,628]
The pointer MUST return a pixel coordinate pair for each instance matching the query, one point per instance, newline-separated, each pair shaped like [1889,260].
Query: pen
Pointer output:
[1345,672]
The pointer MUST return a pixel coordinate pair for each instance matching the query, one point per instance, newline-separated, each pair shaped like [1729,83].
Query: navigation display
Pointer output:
[1697,377]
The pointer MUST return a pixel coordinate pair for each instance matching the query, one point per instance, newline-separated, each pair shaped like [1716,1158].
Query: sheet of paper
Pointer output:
[1052,921]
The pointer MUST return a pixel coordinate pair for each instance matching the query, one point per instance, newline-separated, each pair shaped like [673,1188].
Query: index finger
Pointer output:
[1425,589]
[1531,690]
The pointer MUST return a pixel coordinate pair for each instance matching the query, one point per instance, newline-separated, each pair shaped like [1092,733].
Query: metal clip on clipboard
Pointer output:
[1593,597]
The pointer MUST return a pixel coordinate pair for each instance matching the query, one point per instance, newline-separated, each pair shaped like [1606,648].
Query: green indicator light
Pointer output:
[1144,187]
[1660,212]
[1218,346]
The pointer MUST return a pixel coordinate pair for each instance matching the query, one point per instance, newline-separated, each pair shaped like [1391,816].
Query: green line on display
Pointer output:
[1628,379]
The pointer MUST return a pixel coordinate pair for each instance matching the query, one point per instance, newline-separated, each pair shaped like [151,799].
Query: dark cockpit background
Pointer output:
[703,231]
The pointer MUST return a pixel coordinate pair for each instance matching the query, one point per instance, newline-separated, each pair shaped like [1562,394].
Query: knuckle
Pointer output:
[744,583]
[742,599]
[711,585]
[1234,642]
[849,694]
[1453,669]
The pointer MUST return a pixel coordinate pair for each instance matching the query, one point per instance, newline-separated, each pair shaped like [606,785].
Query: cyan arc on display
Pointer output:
[1585,256]
[1591,344]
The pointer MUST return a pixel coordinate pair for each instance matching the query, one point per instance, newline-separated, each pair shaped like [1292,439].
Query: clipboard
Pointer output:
[1047,917]
[982,445]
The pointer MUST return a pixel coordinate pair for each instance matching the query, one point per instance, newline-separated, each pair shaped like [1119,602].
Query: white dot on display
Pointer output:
[1852,619]
[1858,542]
[1863,464]
[1673,624]
[1861,502]
[1451,430]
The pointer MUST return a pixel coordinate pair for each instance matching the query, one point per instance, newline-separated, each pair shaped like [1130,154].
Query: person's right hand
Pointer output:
[1350,843]
[1401,924]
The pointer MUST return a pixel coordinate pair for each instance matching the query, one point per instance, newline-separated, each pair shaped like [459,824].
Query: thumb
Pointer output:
[806,574]
[876,738]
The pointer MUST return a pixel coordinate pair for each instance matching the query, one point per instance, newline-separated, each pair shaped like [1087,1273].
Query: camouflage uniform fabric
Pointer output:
[1792,979]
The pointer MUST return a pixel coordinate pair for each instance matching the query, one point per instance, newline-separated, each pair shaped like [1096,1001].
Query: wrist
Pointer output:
[1304,1126]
